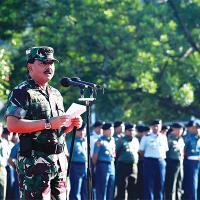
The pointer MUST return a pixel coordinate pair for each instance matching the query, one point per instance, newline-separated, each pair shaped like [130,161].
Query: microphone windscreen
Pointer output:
[66,82]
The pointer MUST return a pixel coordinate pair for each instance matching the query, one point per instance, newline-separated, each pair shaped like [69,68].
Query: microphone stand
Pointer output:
[89,171]
[71,151]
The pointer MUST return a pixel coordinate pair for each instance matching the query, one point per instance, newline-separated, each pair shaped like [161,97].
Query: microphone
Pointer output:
[92,85]
[66,82]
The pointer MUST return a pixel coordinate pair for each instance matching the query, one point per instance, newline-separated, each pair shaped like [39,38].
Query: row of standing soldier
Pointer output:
[146,165]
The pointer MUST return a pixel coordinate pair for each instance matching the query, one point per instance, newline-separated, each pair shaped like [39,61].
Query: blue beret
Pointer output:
[97,124]
[107,126]
[190,123]
[142,128]
[129,126]
[146,128]
[176,125]
[118,123]
[139,128]
[156,121]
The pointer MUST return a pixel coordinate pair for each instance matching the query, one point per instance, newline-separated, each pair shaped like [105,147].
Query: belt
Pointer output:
[193,158]
[102,161]
[79,162]
[48,148]
[150,158]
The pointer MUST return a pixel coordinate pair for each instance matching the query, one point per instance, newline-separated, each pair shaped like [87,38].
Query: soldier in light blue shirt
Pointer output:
[103,160]
[192,163]
[78,171]
[154,147]
[94,136]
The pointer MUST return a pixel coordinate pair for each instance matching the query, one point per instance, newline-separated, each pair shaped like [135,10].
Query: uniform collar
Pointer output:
[35,85]
[128,138]
[95,134]
[172,135]
[106,138]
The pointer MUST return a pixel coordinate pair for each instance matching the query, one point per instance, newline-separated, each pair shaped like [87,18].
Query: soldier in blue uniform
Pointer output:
[78,171]
[127,150]
[174,169]
[192,163]
[103,160]
[190,127]
[94,136]
[154,147]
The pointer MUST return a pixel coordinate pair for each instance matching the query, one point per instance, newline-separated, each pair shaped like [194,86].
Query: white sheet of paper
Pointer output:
[75,110]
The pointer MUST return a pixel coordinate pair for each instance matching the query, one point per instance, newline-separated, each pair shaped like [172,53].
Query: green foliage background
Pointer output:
[146,54]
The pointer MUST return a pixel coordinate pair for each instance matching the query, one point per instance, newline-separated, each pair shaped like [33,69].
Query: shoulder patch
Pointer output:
[19,97]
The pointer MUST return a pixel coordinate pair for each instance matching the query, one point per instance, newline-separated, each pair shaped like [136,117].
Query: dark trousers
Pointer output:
[198,192]
[173,180]
[78,181]
[126,180]
[154,178]
[191,175]
[140,181]
[10,182]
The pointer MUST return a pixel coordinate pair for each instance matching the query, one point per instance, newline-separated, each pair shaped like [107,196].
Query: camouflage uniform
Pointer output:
[41,164]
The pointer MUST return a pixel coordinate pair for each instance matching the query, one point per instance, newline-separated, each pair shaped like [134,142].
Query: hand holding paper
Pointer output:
[74,111]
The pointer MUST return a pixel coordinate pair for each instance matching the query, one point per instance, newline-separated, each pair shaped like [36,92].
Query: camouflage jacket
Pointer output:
[29,101]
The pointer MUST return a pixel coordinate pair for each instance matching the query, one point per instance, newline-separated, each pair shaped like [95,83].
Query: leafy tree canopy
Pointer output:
[146,54]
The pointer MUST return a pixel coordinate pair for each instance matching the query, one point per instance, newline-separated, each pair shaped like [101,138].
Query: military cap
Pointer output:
[156,121]
[41,53]
[146,128]
[82,127]
[129,126]
[117,124]
[142,128]
[190,123]
[107,126]
[176,125]
[139,128]
[97,124]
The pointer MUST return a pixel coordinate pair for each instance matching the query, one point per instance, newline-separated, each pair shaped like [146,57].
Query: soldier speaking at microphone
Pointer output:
[35,110]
